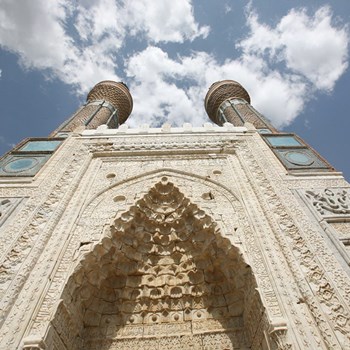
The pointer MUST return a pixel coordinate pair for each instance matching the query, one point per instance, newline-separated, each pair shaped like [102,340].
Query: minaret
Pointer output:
[108,102]
[228,101]
[230,237]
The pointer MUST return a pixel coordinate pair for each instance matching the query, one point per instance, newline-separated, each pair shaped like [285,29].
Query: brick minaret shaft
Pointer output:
[228,101]
[108,103]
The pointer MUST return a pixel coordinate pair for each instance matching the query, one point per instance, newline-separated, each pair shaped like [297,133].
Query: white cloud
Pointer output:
[0,73]
[280,66]
[308,45]
[159,93]
[313,51]
[157,21]
[154,88]
[165,20]
[36,31]
[227,8]
[33,30]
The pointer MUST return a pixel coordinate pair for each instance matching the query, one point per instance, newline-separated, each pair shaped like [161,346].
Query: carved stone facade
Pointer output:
[162,271]
[168,238]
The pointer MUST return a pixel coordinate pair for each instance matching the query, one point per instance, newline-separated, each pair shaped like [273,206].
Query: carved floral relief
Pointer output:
[330,201]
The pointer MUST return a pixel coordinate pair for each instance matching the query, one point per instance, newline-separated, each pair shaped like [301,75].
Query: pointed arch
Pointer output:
[158,173]
[161,276]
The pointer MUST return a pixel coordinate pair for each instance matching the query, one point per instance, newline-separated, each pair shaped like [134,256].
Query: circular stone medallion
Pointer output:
[299,158]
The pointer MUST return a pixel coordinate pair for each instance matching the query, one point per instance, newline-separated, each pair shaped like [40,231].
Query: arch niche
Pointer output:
[161,277]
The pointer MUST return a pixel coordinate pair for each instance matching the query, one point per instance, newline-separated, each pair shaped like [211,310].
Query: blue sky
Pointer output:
[291,56]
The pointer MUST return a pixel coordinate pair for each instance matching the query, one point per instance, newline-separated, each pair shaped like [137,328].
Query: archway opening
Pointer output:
[162,277]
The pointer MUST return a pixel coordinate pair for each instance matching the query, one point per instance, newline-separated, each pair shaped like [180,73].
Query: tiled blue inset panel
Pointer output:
[283,141]
[300,158]
[22,165]
[35,146]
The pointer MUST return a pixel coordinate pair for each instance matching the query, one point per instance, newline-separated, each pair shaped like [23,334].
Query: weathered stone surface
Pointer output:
[191,238]
[173,269]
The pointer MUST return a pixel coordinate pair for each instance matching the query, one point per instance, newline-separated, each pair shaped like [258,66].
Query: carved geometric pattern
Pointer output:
[330,202]
[100,118]
[211,341]
[221,91]
[238,112]
[342,228]
[206,144]
[81,117]
[249,116]
[19,261]
[232,116]
[310,251]
[116,94]
[163,271]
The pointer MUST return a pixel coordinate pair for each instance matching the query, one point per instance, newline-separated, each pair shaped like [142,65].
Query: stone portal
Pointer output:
[162,277]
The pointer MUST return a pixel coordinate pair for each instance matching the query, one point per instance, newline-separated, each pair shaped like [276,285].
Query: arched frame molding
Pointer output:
[209,196]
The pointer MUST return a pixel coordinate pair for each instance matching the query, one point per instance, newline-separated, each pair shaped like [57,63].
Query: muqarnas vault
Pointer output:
[226,236]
